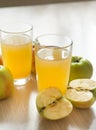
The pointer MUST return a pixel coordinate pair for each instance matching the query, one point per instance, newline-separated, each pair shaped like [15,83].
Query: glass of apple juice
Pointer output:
[53,59]
[16,49]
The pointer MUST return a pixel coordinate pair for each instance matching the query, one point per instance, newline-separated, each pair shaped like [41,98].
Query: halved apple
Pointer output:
[82,92]
[52,105]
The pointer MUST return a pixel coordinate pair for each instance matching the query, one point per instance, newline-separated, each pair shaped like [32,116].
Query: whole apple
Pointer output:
[80,68]
[6,83]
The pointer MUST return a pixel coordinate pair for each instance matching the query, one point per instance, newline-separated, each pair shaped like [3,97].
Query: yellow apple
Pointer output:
[6,83]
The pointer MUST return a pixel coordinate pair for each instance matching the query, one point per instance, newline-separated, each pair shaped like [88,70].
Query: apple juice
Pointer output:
[52,68]
[17,55]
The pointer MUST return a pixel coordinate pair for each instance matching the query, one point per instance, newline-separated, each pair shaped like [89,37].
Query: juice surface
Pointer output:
[52,67]
[17,55]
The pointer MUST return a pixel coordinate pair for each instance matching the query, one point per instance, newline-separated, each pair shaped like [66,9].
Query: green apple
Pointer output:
[52,105]
[80,68]
[82,92]
[6,82]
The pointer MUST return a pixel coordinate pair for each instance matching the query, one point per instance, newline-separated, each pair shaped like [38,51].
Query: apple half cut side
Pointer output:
[82,92]
[52,105]
[80,99]
[84,84]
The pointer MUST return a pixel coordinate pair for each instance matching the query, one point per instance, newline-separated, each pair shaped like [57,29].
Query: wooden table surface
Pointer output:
[75,19]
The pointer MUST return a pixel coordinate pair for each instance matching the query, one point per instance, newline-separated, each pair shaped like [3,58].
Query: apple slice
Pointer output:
[52,105]
[82,92]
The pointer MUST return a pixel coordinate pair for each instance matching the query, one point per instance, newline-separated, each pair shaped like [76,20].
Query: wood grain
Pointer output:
[19,112]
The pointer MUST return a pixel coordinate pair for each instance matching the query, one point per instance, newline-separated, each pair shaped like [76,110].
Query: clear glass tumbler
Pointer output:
[16,49]
[53,59]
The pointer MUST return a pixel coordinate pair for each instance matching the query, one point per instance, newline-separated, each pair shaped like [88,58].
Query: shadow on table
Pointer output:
[78,119]
[83,118]
[16,108]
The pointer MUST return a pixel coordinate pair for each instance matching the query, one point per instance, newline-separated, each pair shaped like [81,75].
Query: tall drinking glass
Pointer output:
[16,48]
[53,59]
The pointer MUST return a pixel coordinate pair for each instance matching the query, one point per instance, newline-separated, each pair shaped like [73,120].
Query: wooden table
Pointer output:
[77,20]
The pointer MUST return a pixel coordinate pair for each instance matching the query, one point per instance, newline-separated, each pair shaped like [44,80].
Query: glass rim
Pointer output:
[18,32]
[53,34]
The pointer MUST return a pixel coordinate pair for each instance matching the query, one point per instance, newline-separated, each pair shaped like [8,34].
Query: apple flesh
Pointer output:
[6,83]
[80,68]
[52,105]
[82,92]
[58,110]
[80,99]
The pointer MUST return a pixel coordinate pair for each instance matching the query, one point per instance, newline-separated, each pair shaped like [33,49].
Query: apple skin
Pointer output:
[6,83]
[80,68]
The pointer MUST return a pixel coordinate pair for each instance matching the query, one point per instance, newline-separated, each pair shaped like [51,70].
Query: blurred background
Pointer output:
[32,2]
[74,18]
